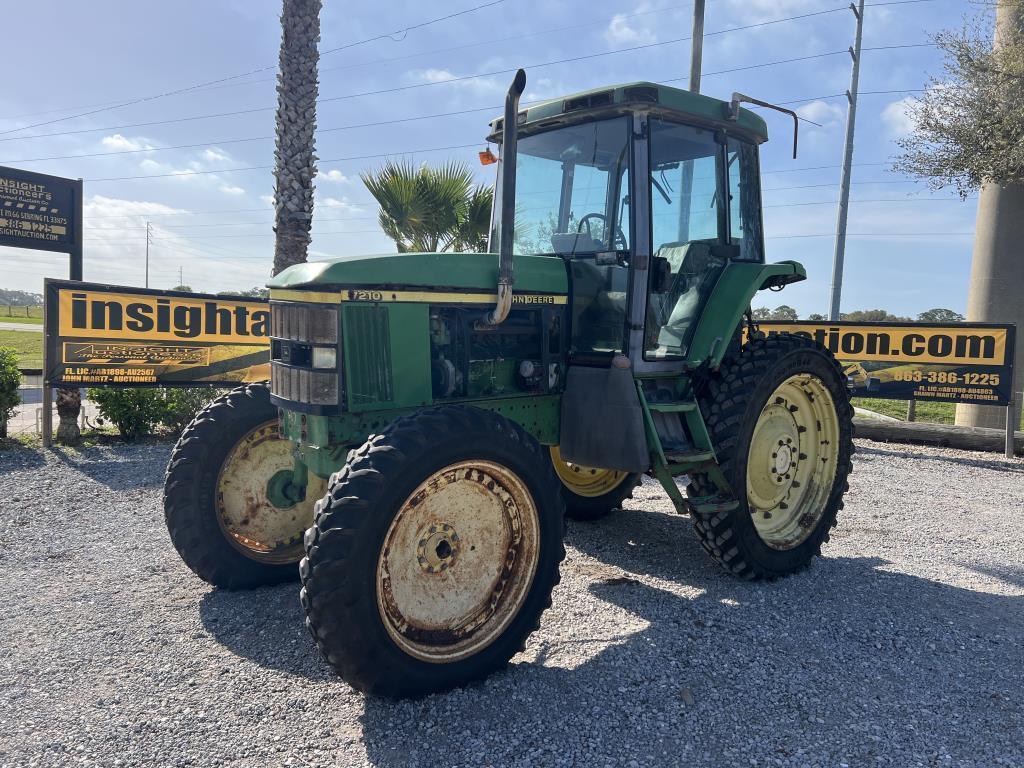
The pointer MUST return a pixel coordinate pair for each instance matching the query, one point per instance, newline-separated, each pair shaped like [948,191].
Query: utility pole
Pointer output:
[181,278]
[844,184]
[696,45]
[149,239]
[696,58]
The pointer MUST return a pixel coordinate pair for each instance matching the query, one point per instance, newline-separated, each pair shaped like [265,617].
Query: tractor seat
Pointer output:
[694,270]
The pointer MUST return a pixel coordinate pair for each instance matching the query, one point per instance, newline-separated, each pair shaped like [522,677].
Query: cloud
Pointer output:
[822,112]
[480,85]
[621,32]
[765,10]
[268,199]
[333,175]
[230,189]
[337,204]
[214,155]
[120,143]
[897,117]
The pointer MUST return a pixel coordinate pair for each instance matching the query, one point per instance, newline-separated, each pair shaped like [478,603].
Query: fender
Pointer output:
[729,299]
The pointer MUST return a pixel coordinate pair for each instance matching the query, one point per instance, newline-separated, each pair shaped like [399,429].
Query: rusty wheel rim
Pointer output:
[251,523]
[458,561]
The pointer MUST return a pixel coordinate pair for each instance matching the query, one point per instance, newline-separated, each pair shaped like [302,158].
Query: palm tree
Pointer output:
[295,161]
[69,406]
[431,209]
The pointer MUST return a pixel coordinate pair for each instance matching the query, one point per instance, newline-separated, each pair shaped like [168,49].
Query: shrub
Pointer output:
[139,411]
[10,380]
[133,411]
[181,405]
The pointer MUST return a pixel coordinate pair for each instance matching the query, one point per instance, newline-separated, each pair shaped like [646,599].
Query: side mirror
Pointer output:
[661,275]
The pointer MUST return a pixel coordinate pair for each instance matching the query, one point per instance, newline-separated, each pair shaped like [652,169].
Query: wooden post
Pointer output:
[1011,412]
[911,409]
[47,414]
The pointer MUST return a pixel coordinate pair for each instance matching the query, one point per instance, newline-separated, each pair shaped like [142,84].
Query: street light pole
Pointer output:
[149,239]
[844,184]
[696,45]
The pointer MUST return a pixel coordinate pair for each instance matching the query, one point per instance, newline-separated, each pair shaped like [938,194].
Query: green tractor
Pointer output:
[432,418]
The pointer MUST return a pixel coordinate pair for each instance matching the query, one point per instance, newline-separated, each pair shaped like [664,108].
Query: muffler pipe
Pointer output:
[509,138]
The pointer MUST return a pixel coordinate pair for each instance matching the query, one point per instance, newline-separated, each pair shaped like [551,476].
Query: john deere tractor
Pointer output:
[432,417]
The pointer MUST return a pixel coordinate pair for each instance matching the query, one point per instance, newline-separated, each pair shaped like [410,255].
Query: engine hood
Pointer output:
[459,271]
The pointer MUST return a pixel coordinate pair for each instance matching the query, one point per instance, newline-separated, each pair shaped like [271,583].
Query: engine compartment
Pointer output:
[525,354]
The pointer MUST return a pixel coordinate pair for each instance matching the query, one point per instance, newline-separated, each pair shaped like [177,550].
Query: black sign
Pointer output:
[959,362]
[116,336]
[40,211]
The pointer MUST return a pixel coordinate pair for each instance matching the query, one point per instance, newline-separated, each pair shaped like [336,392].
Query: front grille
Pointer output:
[369,375]
[295,330]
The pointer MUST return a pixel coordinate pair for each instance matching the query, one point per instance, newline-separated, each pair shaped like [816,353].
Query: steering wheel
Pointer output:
[619,242]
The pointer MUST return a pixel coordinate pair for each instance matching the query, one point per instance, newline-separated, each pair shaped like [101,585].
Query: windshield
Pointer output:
[572,190]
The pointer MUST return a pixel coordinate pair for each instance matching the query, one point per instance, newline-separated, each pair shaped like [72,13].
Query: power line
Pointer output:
[393,121]
[873,234]
[403,31]
[459,79]
[267,167]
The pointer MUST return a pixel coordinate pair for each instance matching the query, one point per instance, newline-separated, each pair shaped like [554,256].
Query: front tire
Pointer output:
[780,419]
[216,504]
[434,552]
[591,493]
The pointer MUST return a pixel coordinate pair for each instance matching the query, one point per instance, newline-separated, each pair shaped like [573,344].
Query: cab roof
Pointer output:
[658,99]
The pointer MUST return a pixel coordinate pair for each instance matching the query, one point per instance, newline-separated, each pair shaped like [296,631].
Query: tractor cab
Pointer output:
[648,193]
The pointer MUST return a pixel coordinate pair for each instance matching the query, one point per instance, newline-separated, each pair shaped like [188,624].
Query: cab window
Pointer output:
[688,221]
[745,227]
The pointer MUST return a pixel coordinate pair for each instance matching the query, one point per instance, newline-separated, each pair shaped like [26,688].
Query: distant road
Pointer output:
[30,327]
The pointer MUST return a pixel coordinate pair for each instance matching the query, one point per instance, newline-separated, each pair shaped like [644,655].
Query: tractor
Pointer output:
[432,418]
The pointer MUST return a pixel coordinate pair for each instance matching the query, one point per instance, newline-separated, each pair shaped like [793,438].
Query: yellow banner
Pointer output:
[947,345]
[94,314]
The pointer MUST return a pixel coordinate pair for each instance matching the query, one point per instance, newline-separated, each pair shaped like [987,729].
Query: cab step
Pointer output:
[688,457]
[682,406]
[709,505]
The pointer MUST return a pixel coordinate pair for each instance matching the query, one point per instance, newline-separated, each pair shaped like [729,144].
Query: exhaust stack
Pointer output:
[508,201]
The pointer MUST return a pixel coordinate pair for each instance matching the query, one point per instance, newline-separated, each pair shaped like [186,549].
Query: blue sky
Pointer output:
[70,57]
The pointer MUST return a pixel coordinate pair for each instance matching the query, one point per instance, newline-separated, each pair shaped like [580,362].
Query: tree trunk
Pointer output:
[295,161]
[69,406]
[997,269]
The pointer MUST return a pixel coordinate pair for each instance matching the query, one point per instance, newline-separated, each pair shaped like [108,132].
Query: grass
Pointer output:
[27,315]
[27,345]
[927,411]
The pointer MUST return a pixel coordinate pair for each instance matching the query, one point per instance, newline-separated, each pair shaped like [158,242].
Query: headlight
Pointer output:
[325,357]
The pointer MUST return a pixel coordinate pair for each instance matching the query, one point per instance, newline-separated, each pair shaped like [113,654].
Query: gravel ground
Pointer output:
[902,647]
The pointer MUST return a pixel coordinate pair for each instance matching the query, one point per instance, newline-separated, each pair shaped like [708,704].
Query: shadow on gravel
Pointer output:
[266,626]
[845,660]
[999,465]
[15,457]
[120,467]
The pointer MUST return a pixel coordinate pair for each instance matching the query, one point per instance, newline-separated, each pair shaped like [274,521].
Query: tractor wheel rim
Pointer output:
[792,461]
[585,481]
[458,561]
[251,523]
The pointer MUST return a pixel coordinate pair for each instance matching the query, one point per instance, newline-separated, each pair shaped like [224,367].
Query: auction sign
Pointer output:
[39,211]
[111,335]
[961,362]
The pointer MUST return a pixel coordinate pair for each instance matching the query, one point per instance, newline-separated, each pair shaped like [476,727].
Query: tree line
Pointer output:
[786,312]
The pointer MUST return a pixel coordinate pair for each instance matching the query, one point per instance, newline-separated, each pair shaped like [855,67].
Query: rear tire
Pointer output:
[434,552]
[215,494]
[781,422]
[590,493]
